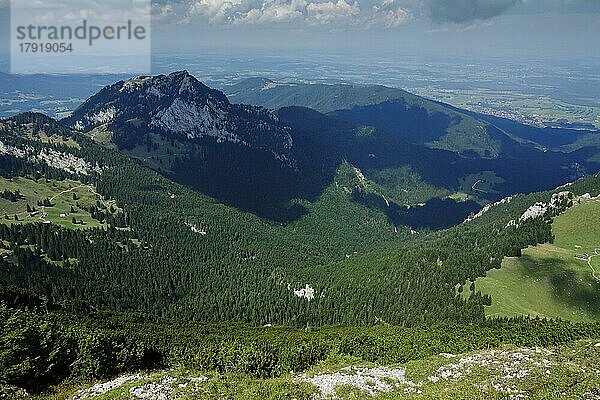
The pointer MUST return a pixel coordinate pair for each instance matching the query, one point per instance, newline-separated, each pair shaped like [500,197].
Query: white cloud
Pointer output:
[327,13]
[273,11]
[56,11]
[351,13]
[390,14]
[216,11]
[330,12]
[395,18]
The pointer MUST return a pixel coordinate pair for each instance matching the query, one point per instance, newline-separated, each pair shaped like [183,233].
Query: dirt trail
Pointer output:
[475,184]
[89,187]
[596,253]
[66,191]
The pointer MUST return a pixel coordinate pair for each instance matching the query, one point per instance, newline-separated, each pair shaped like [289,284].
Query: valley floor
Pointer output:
[568,372]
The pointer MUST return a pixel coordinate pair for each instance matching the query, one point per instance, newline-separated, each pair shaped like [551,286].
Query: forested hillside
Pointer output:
[178,253]
[417,119]
[108,265]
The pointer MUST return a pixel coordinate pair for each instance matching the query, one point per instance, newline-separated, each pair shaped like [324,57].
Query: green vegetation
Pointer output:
[459,196]
[321,97]
[57,201]
[42,129]
[404,185]
[55,139]
[568,371]
[45,344]
[343,283]
[468,136]
[159,153]
[589,140]
[533,109]
[480,184]
[396,111]
[188,256]
[102,135]
[578,229]
[548,280]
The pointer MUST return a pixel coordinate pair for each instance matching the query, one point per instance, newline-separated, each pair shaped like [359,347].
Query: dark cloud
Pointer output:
[465,11]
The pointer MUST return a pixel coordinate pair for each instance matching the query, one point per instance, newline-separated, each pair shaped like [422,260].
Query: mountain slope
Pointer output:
[264,162]
[411,117]
[184,254]
[136,356]
[178,105]
[240,154]
[324,98]
[557,279]
[506,372]
[415,119]
[399,167]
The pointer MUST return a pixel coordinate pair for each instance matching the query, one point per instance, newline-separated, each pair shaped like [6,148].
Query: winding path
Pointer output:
[90,189]
[66,191]
[475,184]
[596,253]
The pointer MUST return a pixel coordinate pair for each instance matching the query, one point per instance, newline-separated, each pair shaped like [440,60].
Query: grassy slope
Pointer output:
[548,280]
[61,195]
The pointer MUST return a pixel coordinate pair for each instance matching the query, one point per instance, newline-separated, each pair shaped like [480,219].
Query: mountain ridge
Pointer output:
[263,160]
[178,105]
[385,108]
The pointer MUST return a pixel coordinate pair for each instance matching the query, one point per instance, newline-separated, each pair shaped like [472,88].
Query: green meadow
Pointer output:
[548,280]
[64,196]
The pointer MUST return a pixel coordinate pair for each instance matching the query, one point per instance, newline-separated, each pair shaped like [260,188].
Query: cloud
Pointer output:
[273,13]
[351,14]
[390,14]
[331,13]
[218,12]
[466,11]
[336,14]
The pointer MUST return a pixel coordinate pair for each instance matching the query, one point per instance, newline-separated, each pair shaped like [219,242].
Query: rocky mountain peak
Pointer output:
[180,84]
[178,105]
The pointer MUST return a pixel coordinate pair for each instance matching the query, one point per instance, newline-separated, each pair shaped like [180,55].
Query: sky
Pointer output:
[561,29]
[538,28]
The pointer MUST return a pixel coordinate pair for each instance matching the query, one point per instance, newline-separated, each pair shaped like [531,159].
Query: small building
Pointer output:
[582,257]
[63,215]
